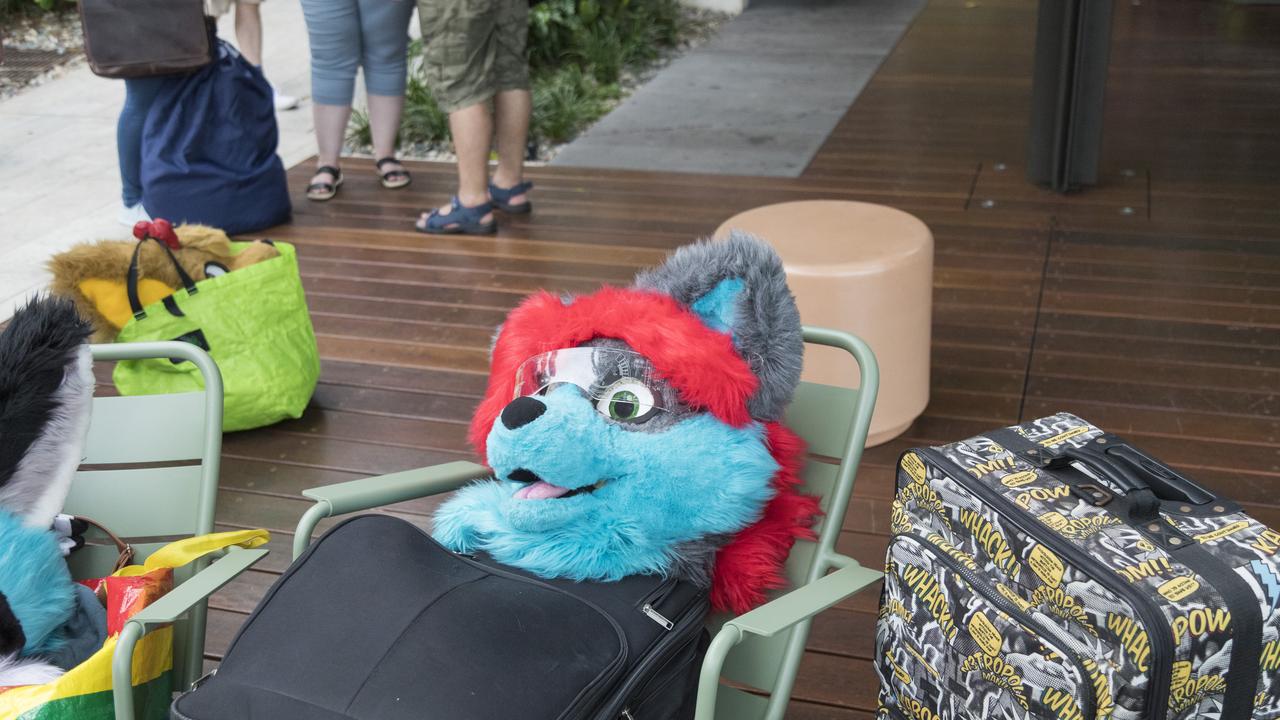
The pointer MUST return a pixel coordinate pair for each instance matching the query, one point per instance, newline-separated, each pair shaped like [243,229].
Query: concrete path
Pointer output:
[758,99]
[59,181]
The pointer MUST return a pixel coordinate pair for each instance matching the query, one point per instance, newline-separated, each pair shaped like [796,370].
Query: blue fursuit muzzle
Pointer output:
[577,495]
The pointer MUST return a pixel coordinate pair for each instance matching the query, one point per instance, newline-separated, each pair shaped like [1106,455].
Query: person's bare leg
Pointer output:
[512,110]
[472,129]
[331,127]
[384,124]
[249,31]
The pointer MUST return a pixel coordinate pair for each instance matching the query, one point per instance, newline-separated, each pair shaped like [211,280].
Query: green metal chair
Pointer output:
[762,648]
[150,475]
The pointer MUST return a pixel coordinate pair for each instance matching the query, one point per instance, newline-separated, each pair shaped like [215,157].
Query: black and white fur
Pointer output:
[46,388]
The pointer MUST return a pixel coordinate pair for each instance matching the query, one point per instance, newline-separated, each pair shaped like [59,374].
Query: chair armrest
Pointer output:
[786,610]
[372,492]
[199,587]
[166,610]
[781,613]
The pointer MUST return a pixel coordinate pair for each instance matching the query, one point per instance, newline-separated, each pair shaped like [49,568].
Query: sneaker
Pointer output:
[130,215]
[285,102]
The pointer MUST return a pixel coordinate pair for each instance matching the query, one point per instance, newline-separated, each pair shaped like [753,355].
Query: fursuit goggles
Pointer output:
[622,383]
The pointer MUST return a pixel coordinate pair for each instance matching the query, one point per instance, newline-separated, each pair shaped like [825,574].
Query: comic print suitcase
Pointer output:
[1051,570]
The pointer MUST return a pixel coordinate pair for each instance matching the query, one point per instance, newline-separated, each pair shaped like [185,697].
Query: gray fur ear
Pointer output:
[738,286]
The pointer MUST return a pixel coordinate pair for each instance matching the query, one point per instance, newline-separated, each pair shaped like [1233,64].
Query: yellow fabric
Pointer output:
[112,298]
[181,552]
[153,655]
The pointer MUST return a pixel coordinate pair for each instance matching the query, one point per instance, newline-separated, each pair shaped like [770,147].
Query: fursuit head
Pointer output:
[637,430]
[46,390]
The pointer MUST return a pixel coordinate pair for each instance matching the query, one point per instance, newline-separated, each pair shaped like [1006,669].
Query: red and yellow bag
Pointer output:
[84,692]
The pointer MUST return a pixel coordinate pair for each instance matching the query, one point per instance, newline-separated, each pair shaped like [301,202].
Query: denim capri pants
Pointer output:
[348,34]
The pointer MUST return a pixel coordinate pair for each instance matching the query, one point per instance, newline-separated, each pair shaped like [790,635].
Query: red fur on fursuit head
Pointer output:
[752,562]
[708,372]
[700,362]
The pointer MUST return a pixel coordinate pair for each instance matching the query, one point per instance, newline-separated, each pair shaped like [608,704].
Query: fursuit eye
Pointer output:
[626,400]
[214,269]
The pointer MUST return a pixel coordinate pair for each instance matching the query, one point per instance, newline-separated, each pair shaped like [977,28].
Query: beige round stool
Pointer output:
[866,269]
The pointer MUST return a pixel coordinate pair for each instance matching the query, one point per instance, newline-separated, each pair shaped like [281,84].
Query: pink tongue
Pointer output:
[540,490]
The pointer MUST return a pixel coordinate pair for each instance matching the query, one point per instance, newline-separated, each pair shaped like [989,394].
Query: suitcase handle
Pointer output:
[1163,480]
[1135,473]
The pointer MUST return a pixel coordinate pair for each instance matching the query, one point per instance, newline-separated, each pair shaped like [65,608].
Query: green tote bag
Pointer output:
[252,321]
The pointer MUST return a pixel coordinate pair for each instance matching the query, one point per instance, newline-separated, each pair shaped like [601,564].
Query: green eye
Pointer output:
[624,405]
[627,400]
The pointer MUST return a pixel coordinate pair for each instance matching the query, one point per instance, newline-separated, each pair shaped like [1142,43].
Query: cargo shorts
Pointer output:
[474,49]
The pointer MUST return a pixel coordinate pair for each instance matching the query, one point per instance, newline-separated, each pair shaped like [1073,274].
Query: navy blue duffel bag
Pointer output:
[209,149]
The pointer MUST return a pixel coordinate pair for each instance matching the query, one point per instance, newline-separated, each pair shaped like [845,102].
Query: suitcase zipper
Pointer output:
[662,650]
[648,604]
[659,592]
[1157,626]
[656,691]
[657,617]
[1074,651]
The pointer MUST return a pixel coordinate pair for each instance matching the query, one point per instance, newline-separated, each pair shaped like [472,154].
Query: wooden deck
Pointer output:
[1150,305]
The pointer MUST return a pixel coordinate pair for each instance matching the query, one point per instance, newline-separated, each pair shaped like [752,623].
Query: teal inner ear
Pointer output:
[719,307]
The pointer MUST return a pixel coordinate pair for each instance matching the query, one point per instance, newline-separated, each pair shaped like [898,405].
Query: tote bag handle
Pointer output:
[131,281]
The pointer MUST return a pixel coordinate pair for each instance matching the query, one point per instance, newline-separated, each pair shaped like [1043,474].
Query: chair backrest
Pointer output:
[150,475]
[833,422]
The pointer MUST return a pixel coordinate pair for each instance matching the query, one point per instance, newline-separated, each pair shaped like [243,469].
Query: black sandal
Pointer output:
[320,191]
[392,179]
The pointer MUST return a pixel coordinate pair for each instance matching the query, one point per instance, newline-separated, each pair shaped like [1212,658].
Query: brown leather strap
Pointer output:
[125,549]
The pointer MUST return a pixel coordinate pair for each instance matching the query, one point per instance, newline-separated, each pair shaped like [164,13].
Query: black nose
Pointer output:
[522,411]
[523,475]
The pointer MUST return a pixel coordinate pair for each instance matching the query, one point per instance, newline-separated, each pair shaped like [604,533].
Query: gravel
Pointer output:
[37,48]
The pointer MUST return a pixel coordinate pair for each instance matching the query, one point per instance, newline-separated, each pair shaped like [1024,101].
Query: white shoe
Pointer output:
[130,215]
[285,102]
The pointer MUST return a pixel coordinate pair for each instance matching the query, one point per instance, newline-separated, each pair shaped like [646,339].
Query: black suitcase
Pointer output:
[1051,570]
[377,620]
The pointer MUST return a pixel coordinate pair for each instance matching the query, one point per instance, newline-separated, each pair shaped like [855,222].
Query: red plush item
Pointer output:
[162,230]
[159,229]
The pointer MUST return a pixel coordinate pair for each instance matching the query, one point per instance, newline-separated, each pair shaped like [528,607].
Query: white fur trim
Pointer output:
[15,671]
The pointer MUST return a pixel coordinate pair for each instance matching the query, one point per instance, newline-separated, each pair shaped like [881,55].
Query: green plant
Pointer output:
[600,51]
[10,8]
[359,133]
[553,25]
[654,25]
[566,101]
[423,120]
